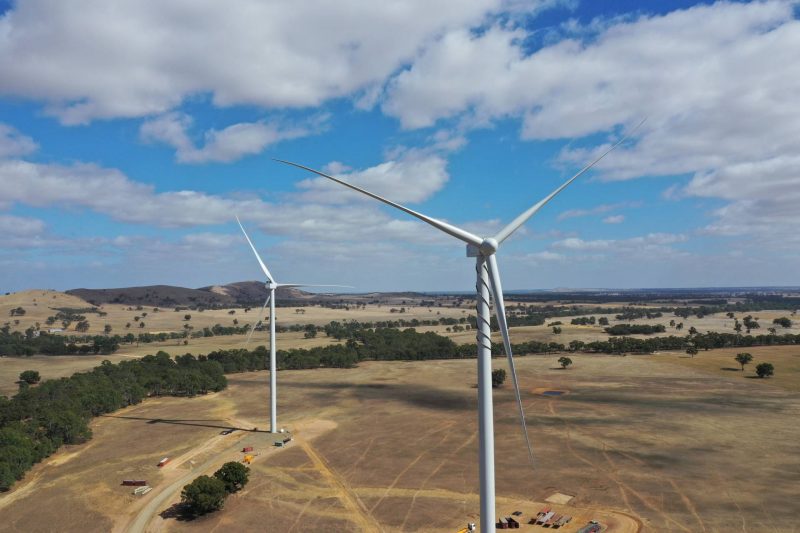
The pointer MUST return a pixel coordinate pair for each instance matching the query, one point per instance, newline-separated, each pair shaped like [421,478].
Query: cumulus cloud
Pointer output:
[141,58]
[13,143]
[652,243]
[112,193]
[764,198]
[717,82]
[597,210]
[413,177]
[20,227]
[225,145]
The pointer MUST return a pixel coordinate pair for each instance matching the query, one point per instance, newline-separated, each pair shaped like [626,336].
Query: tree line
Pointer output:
[24,344]
[38,420]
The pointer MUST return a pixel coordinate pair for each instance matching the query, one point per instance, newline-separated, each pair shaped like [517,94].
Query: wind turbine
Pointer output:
[271,286]
[483,250]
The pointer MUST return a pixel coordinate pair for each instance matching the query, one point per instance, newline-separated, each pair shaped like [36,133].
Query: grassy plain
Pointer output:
[675,443]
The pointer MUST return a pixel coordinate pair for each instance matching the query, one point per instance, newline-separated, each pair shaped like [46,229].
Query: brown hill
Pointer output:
[239,293]
[153,295]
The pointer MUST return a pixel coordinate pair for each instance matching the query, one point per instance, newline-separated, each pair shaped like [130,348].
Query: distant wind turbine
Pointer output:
[271,286]
[488,275]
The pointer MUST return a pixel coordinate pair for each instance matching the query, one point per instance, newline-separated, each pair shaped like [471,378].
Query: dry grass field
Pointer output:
[663,442]
[786,360]
[39,305]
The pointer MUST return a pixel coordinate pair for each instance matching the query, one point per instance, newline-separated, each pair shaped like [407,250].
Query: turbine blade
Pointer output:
[515,224]
[451,230]
[258,319]
[260,262]
[500,312]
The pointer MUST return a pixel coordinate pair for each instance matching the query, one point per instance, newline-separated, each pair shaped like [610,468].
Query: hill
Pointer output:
[242,293]
[152,295]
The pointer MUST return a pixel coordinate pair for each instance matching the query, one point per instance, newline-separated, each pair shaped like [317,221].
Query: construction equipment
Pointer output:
[247,459]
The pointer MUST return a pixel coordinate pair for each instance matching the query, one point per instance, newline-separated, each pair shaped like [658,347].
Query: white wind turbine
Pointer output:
[271,285]
[483,250]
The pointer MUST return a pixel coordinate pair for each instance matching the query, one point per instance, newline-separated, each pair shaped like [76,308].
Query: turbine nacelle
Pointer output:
[270,285]
[486,248]
[489,246]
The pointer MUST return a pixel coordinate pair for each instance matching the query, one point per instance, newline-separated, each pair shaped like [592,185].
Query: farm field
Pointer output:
[663,442]
[41,304]
[722,363]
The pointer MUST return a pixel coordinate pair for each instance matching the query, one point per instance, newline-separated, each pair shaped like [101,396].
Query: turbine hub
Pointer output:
[488,246]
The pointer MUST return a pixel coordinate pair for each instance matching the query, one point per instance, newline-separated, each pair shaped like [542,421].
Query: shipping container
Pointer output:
[133,482]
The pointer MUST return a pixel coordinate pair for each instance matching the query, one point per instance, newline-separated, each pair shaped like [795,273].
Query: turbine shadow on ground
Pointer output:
[185,423]
[414,395]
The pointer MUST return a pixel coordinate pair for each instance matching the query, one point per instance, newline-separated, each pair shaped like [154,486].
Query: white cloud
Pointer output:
[110,192]
[614,219]
[764,199]
[13,143]
[651,242]
[597,210]
[717,82]
[226,145]
[413,177]
[91,60]
[20,227]
[651,66]
[543,256]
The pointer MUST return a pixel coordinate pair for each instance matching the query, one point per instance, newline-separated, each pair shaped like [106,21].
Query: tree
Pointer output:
[498,377]
[603,321]
[557,330]
[737,327]
[141,324]
[564,362]
[576,345]
[765,370]
[204,495]
[692,330]
[743,359]
[234,475]
[107,329]
[187,317]
[30,376]
[783,322]
[691,350]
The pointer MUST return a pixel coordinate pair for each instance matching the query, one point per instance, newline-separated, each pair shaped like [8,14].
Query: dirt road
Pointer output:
[229,446]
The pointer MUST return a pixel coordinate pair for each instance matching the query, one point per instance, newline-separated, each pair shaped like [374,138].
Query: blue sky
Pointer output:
[130,136]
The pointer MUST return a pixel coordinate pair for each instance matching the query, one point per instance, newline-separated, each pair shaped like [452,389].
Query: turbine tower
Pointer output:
[488,280]
[271,286]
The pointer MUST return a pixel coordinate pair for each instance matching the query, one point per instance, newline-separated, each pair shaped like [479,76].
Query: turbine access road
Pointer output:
[223,448]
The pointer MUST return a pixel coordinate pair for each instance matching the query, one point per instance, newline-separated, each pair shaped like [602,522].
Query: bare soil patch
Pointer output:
[559,498]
